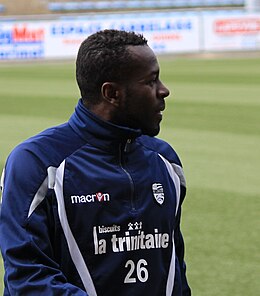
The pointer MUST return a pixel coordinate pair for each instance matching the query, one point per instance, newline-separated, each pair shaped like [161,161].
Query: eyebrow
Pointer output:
[155,72]
[148,76]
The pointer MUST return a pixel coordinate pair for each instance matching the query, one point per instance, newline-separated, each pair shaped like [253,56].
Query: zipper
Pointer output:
[131,182]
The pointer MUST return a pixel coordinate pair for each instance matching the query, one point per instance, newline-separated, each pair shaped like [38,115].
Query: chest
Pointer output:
[119,202]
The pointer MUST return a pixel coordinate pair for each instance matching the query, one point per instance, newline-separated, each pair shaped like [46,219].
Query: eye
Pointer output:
[152,81]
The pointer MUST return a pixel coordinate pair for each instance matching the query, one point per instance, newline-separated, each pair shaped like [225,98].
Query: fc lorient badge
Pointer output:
[158,192]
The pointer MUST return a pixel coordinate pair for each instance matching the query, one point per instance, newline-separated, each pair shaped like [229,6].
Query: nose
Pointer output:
[163,91]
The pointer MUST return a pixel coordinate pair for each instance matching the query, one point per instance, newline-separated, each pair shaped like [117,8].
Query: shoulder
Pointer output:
[48,148]
[160,146]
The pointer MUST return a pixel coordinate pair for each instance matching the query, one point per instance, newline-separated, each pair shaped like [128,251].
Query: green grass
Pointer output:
[212,120]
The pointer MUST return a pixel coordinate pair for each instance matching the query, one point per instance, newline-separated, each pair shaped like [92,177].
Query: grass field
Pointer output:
[212,120]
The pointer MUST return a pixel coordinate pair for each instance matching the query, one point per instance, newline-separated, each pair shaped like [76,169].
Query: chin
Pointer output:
[151,132]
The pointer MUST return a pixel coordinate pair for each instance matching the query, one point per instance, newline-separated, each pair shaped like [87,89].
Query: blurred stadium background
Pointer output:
[30,7]
[212,119]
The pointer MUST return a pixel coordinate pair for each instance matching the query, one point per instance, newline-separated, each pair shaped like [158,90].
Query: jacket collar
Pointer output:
[98,132]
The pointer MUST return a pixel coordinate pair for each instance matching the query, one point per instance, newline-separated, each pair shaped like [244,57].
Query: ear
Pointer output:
[111,92]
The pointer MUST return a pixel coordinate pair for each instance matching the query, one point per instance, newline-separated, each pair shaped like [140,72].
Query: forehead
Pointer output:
[144,58]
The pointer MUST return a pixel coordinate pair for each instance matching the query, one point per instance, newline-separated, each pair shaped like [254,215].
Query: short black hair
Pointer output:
[103,57]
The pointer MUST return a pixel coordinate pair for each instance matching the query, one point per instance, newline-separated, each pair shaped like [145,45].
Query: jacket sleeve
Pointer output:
[179,247]
[26,240]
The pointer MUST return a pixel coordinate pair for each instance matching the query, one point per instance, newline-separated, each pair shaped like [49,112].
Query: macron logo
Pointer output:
[96,197]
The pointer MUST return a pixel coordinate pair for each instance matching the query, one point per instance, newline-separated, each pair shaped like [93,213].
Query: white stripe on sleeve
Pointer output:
[175,179]
[74,250]
[177,182]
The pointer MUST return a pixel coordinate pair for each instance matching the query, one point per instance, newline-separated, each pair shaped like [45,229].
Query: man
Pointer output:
[92,207]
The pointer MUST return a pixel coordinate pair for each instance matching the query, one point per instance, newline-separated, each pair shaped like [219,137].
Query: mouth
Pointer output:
[159,115]
[161,108]
[160,111]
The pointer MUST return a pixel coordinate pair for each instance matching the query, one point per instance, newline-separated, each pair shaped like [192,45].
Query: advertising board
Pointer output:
[25,40]
[166,33]
[231,32]
[169,32]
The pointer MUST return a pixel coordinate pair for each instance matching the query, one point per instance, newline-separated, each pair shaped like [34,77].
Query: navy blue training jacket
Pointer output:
[91,208]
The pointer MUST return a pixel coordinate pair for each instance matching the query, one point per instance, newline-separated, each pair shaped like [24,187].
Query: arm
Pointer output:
[26,241]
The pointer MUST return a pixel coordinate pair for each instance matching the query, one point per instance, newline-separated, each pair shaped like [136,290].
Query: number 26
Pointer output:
[141,271]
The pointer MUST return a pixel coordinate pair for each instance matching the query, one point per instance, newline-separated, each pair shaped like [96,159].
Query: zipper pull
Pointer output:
[127,145]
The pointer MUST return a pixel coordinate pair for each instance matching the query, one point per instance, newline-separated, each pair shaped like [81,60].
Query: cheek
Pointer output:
[142,108]
[139,104]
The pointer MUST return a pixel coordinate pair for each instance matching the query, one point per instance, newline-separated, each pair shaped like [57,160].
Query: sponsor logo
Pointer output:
[22,35]
[107,229]
[95,197]
[135,226]
[133,239]
[237,26]
[158,192]
[21,42]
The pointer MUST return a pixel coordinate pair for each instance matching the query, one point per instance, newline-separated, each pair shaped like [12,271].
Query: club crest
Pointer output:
[158,192]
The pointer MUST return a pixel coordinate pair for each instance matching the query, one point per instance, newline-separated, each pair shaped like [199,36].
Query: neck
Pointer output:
[101,110]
